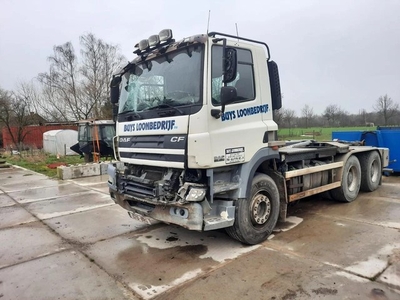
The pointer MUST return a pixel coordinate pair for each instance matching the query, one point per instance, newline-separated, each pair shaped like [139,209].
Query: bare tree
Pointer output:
[100,61]
[336,116]
[15,115]
[31,94]
[5,107]
[343,118]
[386,107]
[307,113]
[331,114]
[62,84]
[289,115]
[278,116]
[362,116]
[74,90]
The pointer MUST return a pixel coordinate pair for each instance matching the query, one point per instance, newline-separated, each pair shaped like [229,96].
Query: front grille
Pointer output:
[154,156]
[177,143]
[167,141]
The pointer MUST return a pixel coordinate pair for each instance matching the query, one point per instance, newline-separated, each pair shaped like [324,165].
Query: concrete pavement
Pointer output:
[68,240]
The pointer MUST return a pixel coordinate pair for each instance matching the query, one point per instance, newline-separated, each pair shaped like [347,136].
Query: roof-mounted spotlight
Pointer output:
[154,40]
[143,45]
[165,35]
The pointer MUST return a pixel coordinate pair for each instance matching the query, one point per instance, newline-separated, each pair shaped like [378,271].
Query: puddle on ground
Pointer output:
[150,271]
[152,262]
[220,246]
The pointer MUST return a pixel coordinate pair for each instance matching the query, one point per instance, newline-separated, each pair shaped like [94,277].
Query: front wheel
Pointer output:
[256,217]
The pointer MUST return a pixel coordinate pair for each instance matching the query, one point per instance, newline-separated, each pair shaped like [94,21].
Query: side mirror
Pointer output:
[228,96]
[276,96]
[229,65]
[114,89]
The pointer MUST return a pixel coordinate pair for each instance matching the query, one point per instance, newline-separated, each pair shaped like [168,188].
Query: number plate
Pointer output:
[139,217]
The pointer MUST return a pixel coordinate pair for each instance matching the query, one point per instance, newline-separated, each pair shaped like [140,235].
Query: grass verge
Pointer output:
[41,162]
[315,133]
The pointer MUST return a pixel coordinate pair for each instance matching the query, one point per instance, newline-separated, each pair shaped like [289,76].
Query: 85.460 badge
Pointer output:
[234,155]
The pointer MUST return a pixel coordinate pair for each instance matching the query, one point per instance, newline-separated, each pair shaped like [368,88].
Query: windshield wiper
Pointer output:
[165,105]
[133,114]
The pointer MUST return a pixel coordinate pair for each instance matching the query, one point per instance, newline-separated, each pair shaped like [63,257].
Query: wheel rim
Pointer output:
[352,179]
[374,171]
[260,209]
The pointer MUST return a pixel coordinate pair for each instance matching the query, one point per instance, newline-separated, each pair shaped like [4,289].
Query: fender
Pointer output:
[248,169]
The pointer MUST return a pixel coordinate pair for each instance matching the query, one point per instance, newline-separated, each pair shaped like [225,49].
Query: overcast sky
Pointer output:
[344,52]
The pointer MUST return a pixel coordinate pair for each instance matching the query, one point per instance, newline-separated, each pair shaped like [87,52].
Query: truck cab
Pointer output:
[95,139]
[196,141]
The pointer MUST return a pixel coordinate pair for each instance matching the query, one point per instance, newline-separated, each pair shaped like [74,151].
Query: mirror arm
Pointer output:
[222,108]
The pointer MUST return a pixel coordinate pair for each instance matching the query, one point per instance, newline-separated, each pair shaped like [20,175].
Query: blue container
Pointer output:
[388,137]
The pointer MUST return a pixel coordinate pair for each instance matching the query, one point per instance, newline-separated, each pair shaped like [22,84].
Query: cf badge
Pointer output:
[177,139]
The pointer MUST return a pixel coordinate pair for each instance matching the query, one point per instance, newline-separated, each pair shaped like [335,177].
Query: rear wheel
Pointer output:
[256,217]
[351,180]
[371,167]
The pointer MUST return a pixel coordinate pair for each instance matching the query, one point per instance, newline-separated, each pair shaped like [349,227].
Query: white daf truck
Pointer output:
[196,141]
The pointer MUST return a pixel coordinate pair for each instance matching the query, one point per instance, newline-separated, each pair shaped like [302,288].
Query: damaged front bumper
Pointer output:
[189,215]
[193,213]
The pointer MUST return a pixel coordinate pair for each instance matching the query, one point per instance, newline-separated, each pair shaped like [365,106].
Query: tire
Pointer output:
[371,171]
[256,217]
[351,181]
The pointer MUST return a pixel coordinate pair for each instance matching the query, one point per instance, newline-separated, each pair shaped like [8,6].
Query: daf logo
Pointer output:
[177,139]
[124,139]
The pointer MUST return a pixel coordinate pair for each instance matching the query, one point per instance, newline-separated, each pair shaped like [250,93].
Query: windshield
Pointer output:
[105,132]
[170,80]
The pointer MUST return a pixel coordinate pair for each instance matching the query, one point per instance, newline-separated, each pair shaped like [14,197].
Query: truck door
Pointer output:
[238,133]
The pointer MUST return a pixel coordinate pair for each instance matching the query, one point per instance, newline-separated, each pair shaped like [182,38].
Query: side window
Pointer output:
[84,133]
[244,81]
[107,132]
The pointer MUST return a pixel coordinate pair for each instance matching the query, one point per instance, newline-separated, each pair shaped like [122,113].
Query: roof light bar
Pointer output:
[163,38]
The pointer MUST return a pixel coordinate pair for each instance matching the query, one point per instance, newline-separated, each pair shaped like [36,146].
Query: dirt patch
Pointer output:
[290,295]
[395,256]
[55,165]
[325,291]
